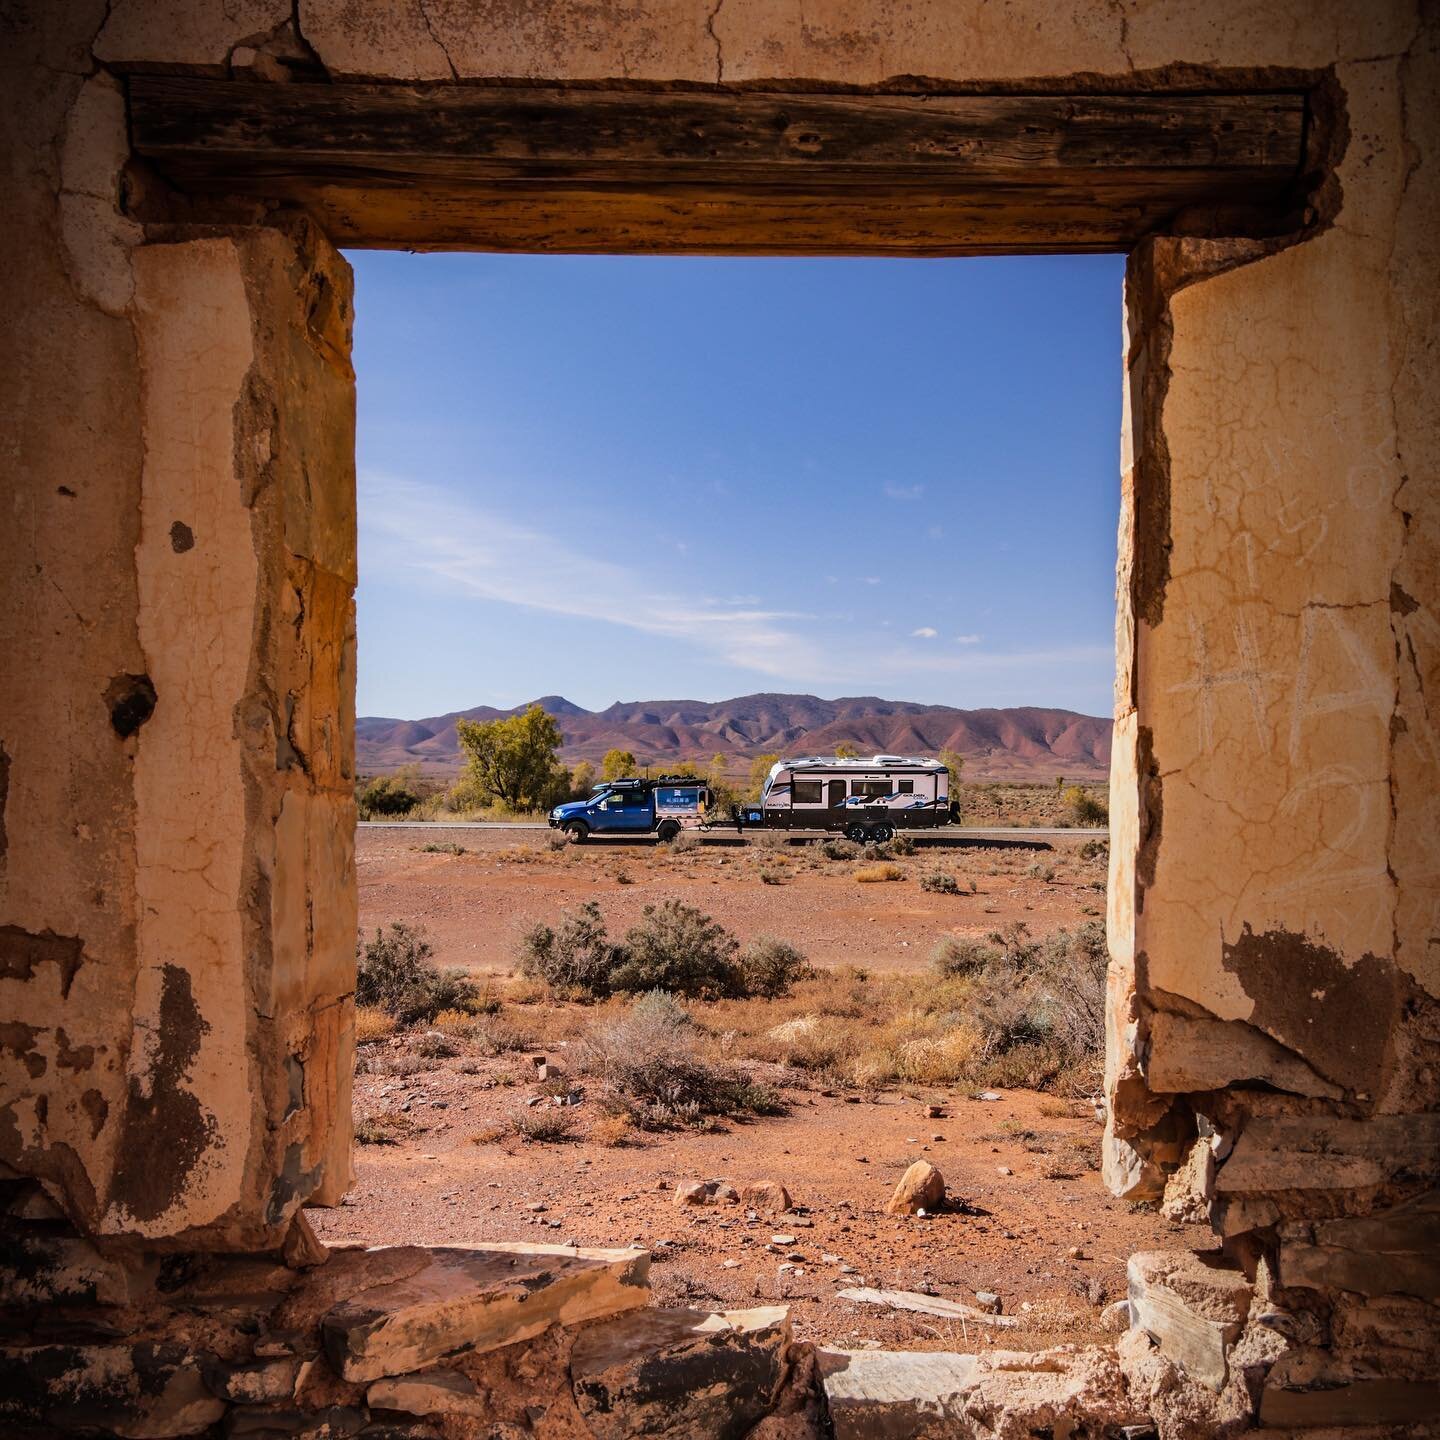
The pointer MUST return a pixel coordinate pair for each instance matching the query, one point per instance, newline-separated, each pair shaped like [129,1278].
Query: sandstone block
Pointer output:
[1189,1054]
[41,1269]
[143,1391]
[431,1392]
[921,1187]
[1320,1152]
[1194,1309]
[1394,1252]
[680,1373]
[890,1394]
[479,1299]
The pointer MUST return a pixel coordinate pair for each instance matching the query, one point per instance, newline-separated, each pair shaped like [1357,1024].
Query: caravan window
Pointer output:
[808,792]
[905,787]
[870,789]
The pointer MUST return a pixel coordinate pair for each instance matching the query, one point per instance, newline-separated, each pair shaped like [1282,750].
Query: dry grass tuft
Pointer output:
[878,874]
[372,1023]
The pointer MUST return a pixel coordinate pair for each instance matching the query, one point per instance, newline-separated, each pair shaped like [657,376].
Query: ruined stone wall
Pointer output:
[177,910]
[1275,797]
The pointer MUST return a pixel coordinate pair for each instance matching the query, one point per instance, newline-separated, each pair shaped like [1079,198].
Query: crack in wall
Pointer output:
[710,30]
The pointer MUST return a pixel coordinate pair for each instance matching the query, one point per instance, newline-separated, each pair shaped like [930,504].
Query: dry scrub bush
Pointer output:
[839,849]
[940,882]
[394,973]
[535,1125]
[769,968]
[679,948]
[383,1129]
[372,1023]
[771,877]
[434,1046]
[575,959]
[612,1131]
[650,1070]
[877,874]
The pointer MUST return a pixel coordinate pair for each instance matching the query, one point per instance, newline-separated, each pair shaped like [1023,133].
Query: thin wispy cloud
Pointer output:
[411,531]
[410,527]
[903,492]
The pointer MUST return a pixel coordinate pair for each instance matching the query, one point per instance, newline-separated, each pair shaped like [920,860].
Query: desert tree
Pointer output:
[847,750]
[513,759]
[617,764]
[582,779]
[759,769]
[954,762]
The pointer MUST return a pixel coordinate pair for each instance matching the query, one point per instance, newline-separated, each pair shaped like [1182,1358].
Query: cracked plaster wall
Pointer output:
[1275,781]
[177,907]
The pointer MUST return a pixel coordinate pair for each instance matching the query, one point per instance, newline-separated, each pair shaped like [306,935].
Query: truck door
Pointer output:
[637,812]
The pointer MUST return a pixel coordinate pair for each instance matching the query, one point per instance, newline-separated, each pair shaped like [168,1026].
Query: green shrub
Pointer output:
[388,795]
[1084,808]
[770,967]
[678,948]
[395,973]
[940,882]
[575,959]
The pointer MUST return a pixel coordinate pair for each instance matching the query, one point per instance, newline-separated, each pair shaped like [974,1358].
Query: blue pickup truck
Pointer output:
[662,807]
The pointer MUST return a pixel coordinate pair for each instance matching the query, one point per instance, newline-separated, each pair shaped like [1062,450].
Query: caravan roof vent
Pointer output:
[889,759]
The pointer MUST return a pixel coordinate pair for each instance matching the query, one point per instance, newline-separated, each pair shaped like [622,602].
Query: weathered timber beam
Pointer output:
[403,164]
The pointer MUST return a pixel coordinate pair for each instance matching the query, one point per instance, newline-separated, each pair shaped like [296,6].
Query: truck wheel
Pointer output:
[668,830]
[576,832]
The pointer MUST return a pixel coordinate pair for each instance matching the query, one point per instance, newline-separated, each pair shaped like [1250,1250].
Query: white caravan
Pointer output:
[867,799]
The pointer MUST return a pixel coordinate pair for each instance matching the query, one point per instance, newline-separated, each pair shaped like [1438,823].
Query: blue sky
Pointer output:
[632,478]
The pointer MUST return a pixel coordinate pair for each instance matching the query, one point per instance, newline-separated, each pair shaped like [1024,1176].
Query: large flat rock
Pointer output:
[894,1395]
[680,1373]
[478,1298]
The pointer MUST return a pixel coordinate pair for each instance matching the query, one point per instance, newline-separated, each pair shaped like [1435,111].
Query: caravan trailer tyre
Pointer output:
[668,830]
[576,832]
[881,834]
[855,834]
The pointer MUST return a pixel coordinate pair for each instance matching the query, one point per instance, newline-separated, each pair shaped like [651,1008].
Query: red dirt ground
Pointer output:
[1046,1237]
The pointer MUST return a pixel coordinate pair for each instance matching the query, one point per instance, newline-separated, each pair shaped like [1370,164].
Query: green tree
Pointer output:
[617,764]
[846,751]
[390,794]
[582,780]
[513,759]
[759,769]
[954,762]
[716,774]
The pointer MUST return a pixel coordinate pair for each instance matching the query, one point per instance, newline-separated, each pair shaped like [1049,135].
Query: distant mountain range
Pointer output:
[1017,744]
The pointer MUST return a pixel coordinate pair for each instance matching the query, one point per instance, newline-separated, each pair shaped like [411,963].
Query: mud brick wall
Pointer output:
[176,885]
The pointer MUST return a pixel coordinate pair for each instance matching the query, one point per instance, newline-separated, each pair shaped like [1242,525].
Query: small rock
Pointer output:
[729,1264]
[768,1197]
[1116,1316]
[536,1208]
[1003,1170]
[988,1300]
[830,1259]
[937,1137]
[921,1188]
[782,1239]
[695,1192]
[728,1193]
[1075,1253]
[934,1112]
[989,1095]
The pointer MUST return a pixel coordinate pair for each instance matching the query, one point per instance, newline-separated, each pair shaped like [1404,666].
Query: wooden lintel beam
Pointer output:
[1125,161]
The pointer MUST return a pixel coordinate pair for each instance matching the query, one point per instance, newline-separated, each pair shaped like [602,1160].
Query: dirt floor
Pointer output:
[1027,1219]
[476,905]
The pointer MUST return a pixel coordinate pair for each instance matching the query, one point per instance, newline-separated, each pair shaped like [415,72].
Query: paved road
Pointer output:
[961,832]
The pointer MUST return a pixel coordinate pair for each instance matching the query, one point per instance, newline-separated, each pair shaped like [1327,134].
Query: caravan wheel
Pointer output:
[883,833]
[855,833]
